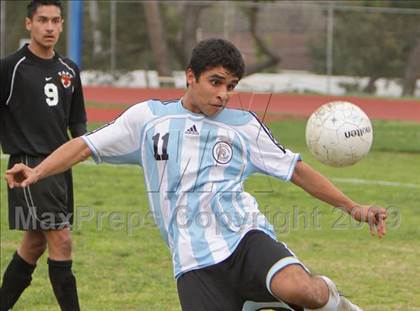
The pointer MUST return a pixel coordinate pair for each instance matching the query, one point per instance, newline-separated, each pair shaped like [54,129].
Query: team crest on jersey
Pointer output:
[65,78]
[222,152]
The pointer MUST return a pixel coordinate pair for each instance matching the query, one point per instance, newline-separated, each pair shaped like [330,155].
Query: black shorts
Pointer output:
[244,276]
[45,205]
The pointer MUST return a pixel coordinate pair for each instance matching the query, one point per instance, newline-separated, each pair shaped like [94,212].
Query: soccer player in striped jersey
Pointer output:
[196,154]
[41,99]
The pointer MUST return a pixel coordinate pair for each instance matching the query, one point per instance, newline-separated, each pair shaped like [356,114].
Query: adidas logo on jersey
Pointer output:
[192,131]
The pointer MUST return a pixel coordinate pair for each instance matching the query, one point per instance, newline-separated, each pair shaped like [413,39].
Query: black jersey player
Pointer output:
[41,98]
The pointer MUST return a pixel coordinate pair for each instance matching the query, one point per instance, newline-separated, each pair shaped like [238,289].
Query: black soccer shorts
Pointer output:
[45,205]
[244,276]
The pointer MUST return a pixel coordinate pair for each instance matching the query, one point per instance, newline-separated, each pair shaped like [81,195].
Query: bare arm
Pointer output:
[59,161]
[320,187]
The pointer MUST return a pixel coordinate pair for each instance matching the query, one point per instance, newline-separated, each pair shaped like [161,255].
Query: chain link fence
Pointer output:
[335,45]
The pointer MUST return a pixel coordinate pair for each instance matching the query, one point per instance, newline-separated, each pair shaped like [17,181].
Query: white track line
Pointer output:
[374,182]
[353,181]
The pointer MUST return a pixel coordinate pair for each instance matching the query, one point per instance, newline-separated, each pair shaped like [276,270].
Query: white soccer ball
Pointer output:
[339,134]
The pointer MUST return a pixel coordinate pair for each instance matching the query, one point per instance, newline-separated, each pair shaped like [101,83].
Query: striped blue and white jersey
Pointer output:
[194,169]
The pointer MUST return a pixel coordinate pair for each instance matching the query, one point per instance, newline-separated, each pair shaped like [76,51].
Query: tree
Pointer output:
[182,33]
[412,65]
[189,28]
[96,33]
[271,58]
[412,70]
[157,38]
[372,44]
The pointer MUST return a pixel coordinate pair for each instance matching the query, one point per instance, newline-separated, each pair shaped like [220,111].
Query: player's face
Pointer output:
[211,93]
[45,26]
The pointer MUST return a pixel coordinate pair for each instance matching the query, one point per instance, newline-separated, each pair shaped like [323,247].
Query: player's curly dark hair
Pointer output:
[34,4]
[212,53]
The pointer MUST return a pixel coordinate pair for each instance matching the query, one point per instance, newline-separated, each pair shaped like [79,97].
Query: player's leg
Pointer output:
[254,257]
[32,246]
[313,292]
[275,272]
[18,274]
[50,202]
[293,283]
[60,271]
[207,289]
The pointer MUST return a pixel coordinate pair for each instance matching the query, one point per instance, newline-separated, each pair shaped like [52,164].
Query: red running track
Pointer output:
[275,105]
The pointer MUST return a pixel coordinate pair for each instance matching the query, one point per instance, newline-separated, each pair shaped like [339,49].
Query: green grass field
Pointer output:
[121,263]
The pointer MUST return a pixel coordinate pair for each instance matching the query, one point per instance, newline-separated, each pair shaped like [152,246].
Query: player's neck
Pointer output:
[187,102]
[40,51]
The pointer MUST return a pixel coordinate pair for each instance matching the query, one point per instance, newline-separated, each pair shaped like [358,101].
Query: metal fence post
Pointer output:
[113,39]
[330,45]
[3,29]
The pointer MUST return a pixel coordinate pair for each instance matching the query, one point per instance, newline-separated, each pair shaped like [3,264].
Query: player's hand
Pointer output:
[21,175]
[374,216]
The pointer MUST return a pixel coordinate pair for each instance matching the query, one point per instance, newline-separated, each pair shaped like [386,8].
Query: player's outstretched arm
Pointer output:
[320,187]
[59,161]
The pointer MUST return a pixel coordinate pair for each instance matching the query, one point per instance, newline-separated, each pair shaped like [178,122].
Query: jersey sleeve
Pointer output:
[120,141]
[266,154]
[5,80]
[77,109]
[6,73]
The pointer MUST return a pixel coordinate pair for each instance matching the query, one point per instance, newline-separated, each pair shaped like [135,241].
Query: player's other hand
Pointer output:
[374,216]
[21,175]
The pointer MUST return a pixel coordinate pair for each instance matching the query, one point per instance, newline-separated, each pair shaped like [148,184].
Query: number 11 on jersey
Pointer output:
[160,145]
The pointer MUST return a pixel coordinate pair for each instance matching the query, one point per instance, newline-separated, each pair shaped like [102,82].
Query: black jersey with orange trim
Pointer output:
[39,100]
